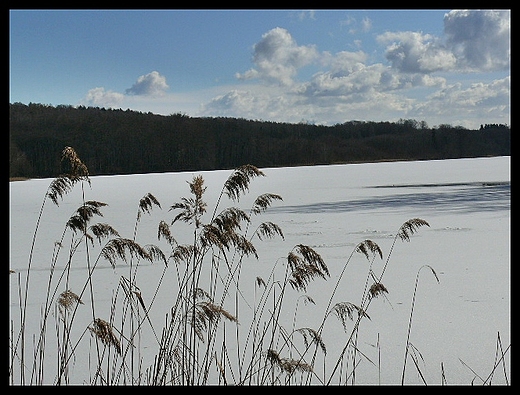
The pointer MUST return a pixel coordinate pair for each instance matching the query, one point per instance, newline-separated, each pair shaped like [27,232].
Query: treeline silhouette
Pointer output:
[126,142]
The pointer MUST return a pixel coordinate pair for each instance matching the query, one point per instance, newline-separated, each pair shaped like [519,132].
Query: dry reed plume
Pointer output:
[212,331]
[103,331]
[64,183]
[68,299]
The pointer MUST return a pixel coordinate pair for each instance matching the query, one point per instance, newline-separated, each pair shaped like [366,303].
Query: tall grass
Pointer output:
[213,331]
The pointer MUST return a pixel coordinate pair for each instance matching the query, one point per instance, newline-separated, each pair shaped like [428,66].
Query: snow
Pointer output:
[466,203]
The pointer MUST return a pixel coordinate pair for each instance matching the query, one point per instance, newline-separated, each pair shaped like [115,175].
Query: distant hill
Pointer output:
[128,142]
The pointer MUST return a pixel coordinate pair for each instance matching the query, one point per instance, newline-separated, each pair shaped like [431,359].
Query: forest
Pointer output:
[115,141]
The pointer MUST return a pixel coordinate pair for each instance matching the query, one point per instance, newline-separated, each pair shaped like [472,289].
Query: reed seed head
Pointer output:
[197,187]
[182,253]
[67,299]
[344,310]
[269,230]
[117,248]
[410,227]
[305,265]
[377,289]
[64,183]
[164,231]
[313,336]
[238,181]
[207,312]
[103,331]
[263,202]
[287,365]
[79,221]
[146,203]
[367,246]
[101,231]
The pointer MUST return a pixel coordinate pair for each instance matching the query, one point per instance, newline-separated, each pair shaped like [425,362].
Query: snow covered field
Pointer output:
[467,203]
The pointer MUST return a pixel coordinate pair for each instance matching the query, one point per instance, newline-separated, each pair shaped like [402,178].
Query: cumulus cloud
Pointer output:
[473,41]
[360,96]
[99,97]
[349,75]
[360,78]
[414,52]
[277,57]
[281,107]
[481,97]
[479,39]
[419,81]
[348,87]
[252,104]
[151,84]
[343,62]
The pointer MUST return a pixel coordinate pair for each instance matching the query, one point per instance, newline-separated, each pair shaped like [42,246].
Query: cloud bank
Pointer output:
[437,79]
[150,85]
[349,87]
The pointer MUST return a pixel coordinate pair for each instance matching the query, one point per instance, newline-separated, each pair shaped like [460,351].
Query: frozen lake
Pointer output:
[466,202]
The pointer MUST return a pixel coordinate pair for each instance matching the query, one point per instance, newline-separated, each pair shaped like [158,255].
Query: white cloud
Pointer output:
[347,86]
[343,61]
[477,102]
[255,103]
[479,39]
[349,75]
[473,41]
[414,52]
[99,97]
[277,57]
[303,15]
[152,84]
[354,26]
[366,25]
[276,104]
[359,78]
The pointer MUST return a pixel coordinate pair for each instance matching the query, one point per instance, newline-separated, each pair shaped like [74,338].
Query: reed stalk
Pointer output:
[206,337]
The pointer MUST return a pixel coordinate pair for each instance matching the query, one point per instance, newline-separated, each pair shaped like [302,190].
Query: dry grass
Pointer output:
[68,299]
[104,332]
[202,339]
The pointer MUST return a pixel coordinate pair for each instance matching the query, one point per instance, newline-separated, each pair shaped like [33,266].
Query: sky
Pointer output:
[313,66]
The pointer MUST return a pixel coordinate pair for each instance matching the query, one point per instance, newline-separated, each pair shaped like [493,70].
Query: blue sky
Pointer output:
[316,66]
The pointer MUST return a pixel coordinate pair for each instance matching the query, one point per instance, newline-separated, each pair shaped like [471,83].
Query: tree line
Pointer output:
[115,141]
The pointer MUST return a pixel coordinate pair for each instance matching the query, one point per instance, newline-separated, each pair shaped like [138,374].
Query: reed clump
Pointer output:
[212,331]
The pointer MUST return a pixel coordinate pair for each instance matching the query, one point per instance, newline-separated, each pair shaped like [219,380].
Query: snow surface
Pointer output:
[467,203]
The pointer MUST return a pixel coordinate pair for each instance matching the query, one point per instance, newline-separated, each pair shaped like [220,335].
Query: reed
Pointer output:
[213,332]
[408,344]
